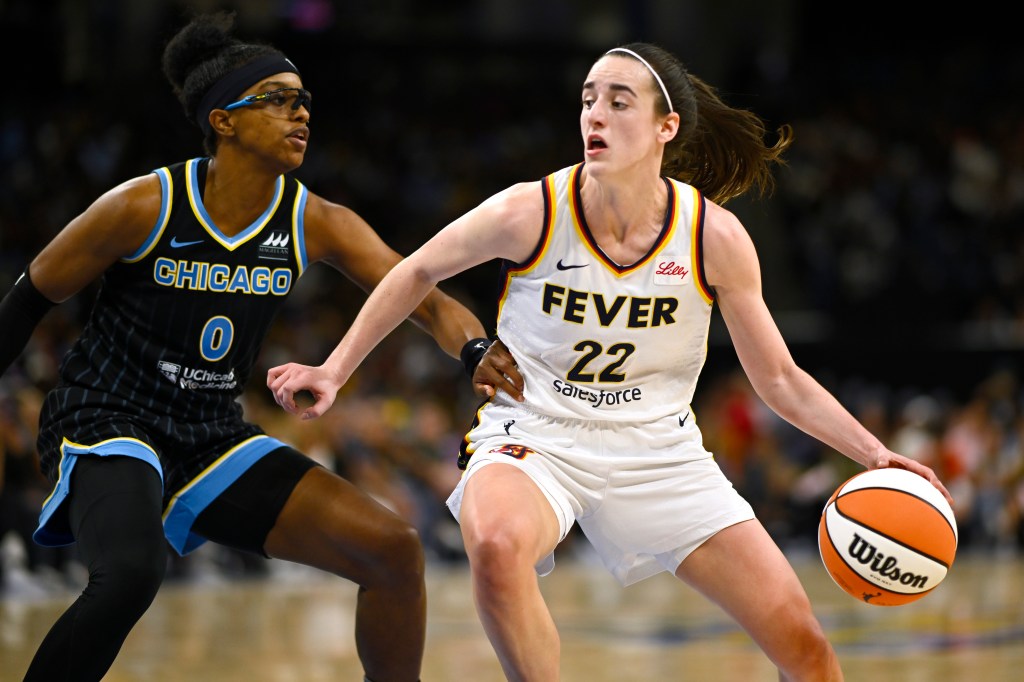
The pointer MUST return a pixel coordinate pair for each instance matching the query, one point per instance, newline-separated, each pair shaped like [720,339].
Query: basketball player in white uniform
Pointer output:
[610,355]
[612,267]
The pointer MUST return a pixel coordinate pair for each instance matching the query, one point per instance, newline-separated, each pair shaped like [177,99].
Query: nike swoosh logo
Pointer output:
[562,266]
[682,420]
[175,244]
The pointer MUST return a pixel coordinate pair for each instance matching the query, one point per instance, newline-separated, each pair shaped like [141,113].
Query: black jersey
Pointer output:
[175,332]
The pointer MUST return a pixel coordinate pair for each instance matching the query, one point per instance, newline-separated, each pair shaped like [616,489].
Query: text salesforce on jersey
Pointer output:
[601,398]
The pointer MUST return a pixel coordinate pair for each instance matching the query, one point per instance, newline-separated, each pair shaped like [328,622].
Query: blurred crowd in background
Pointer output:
[892,250]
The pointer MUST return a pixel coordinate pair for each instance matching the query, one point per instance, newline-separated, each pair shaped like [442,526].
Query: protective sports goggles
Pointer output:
[281,100]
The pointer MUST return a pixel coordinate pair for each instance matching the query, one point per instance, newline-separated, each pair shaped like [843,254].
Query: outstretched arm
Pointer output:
[733,271]
[505,226]
[114,225]
[341,238]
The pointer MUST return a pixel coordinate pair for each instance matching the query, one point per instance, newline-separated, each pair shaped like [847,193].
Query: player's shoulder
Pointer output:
[138,187]
[518,192]
[721,226]
[521,202]
[321,213]
[728,251]
[135,201]
[335,232]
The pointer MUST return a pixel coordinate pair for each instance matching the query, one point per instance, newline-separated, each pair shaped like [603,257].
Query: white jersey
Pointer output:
[598,340]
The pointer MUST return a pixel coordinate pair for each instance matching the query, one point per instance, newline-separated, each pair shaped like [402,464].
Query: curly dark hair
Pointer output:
[202,53]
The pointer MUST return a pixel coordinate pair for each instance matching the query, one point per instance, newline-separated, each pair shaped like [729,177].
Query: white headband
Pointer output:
[650,68]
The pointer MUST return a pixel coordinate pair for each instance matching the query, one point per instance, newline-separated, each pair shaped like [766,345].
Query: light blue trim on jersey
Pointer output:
[199,210]
[166,187]
[53,532]
[299,228]
[190,501]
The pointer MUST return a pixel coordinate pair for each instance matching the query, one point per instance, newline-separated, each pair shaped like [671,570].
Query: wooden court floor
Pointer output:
[296,626]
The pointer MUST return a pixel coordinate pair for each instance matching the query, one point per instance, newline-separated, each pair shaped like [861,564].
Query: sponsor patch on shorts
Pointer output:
[517,451]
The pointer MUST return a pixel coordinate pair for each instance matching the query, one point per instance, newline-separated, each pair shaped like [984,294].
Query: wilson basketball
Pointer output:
[887,537]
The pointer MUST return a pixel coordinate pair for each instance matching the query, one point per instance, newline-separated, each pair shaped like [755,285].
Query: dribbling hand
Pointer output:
[285,381]
[888,459]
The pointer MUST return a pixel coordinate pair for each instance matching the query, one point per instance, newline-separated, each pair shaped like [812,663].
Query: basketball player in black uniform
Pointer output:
[143,437]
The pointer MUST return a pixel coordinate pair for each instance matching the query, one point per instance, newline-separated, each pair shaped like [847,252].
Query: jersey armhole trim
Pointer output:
[510,269]
[697,248]
[166,197]
[299,227]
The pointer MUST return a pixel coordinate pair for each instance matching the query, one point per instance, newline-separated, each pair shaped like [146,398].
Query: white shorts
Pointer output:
[644,494]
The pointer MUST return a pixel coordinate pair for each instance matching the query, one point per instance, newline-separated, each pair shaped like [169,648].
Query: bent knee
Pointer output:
[127,582]
[808,653]
[405,548]
[499,554]
[137,571]
[816,664]
[398,555]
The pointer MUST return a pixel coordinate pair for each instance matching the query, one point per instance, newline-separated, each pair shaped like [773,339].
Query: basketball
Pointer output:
[887,537]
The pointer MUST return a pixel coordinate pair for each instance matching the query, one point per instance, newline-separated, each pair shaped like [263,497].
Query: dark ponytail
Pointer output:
[719,149]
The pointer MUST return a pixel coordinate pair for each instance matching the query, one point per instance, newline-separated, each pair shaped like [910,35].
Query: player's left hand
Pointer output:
[285,381]
[498,370]
[890,460]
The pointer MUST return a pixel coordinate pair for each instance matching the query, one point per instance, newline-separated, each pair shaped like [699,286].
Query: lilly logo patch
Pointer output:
[671,272]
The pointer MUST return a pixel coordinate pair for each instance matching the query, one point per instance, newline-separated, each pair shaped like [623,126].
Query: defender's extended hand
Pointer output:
[285,381]
[498,370]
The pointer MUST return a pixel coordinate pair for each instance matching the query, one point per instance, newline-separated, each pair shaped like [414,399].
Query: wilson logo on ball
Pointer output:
[884,566]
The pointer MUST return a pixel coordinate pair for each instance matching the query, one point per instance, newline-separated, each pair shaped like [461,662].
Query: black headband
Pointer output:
[228,88]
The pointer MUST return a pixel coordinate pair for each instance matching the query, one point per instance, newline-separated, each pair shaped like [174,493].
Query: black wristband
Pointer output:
[20,311]
[472,353]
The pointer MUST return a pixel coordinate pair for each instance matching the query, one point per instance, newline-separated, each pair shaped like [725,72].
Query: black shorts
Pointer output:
[244,514]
